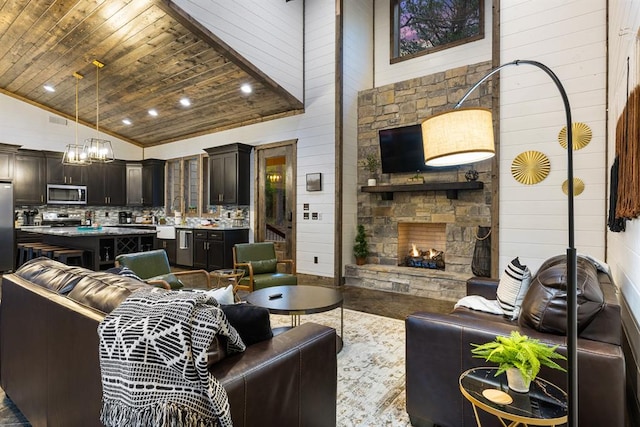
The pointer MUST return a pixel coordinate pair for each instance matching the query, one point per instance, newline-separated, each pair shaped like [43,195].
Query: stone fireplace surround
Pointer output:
[405,103]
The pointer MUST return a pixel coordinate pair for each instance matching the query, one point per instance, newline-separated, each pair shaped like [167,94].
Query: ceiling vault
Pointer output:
[154,55]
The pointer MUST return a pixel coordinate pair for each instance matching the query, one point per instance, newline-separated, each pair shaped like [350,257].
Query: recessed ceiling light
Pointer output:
[185,102]
[153,113]
[126,121]
[246,88]
[49,88]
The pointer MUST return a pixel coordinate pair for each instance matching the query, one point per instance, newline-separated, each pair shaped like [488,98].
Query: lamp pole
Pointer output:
[572,261]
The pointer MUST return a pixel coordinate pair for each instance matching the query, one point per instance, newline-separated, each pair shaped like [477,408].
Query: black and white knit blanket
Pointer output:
[153,358]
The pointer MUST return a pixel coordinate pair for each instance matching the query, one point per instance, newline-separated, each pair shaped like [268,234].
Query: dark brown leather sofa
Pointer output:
[439,350]
[49,363]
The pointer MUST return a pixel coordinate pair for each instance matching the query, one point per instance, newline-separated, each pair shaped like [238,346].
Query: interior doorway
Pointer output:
[276,197]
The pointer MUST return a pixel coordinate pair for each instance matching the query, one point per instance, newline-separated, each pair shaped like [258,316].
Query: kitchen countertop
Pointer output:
[208,227]
[74,232]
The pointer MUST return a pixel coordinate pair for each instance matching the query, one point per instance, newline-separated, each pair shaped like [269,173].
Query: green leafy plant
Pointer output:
[371,163]
[518,351]
[361,248]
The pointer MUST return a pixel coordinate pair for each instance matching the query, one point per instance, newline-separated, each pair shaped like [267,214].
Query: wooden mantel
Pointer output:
[451,188]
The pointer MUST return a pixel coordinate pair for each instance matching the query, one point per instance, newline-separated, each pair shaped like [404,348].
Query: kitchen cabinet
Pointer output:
[106,183]
[169,246]
[145,183]
[7,160]
[57,173]
[30,179]
[229,174]
[213,249]
[153,182]
[134,184]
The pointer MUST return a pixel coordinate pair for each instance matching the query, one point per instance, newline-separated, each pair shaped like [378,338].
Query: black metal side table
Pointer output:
[544,405]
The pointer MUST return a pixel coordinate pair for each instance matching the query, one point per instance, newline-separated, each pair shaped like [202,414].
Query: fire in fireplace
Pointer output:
[430,258]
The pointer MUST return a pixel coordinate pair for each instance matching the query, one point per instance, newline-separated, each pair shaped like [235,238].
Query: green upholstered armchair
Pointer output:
[260,264]
[153,267]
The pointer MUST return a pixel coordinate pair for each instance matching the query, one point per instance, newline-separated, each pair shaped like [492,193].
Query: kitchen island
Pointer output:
[101,244]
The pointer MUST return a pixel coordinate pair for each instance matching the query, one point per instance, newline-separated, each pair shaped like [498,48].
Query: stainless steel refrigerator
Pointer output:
[6,227]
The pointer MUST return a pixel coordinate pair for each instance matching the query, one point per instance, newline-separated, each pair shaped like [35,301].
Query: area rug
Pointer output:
[371,368]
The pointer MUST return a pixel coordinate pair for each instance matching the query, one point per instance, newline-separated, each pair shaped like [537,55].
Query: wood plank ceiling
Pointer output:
[154,55]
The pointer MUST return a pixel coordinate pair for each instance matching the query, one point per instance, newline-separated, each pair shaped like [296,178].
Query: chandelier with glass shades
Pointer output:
[76,154]
[100,150]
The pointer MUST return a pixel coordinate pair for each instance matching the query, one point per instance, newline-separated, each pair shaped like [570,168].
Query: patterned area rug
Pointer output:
[371,368]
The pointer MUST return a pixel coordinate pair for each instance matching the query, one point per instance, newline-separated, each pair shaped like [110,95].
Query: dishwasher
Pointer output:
[184,249]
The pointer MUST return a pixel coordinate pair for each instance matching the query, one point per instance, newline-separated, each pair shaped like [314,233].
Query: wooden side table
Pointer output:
[229,276]
[544,405]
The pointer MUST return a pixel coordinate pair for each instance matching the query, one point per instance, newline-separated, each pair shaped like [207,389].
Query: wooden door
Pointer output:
[275,197]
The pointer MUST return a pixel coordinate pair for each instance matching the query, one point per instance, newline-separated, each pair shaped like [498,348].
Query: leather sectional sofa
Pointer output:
[49,363]
[439,350]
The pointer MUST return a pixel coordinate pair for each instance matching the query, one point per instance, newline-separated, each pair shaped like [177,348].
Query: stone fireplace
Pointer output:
[403,210]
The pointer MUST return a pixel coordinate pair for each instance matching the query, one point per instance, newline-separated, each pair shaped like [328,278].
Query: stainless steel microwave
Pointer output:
[60,194]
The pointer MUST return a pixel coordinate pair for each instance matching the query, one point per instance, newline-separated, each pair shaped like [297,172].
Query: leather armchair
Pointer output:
[260,264]
[438,350]
[153,267]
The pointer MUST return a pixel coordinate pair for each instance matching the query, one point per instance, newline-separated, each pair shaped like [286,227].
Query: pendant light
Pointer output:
[76,154]
[100,150]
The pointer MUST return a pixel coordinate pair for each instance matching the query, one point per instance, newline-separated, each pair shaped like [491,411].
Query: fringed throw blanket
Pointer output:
[153,358]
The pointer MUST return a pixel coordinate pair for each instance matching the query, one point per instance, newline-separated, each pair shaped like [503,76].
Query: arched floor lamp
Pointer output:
[465,135]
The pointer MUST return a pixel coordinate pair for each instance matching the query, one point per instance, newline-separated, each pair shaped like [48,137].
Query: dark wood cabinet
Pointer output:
[169,246]
[153,182]
[229,174]
[30,179]
[57,173]
[213,250]
[106,184]
[145,183]
[7,160]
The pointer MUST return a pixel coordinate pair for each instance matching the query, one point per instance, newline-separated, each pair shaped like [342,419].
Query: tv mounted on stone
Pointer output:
[401,151]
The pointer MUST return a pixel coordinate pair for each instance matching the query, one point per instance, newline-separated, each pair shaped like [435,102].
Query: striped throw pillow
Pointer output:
[512,288]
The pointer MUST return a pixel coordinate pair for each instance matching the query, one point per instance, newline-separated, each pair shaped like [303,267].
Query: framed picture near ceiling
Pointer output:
[314,182]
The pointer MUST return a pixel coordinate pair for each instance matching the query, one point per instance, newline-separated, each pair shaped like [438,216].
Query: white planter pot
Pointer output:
[371,182]
[516,381]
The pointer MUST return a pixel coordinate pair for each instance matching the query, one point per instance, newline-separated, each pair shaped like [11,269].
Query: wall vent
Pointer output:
[58,120]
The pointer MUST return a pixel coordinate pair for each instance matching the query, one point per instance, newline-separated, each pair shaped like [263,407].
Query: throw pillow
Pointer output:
[512,288]
[223,295]
[251,322]
[264,266]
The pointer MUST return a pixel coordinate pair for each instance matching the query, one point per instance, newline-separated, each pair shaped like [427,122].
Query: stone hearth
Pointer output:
[420,282]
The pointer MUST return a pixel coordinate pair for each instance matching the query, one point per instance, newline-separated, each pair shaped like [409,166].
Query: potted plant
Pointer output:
[520,357]
[361,248]
[371,164]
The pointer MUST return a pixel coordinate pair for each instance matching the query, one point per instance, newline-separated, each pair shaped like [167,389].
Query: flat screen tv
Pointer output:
[401,150]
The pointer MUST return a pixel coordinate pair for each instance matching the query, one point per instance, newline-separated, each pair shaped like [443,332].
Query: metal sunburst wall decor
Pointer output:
[578,186]
[530,167]
[581,135]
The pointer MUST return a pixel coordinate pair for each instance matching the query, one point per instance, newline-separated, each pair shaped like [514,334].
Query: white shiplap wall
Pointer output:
[315,132]
[357,75]
[386,73]
[624,248]
[570,38]
[268,33]
[30,127]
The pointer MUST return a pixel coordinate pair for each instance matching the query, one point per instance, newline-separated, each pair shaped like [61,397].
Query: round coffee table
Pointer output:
[298,300]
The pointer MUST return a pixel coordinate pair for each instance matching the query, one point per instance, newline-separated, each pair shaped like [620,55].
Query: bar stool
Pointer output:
[66,256]
[28,251]
[47,250]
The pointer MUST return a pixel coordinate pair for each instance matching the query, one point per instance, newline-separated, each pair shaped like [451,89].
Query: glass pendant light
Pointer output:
[76,154]
[100,150]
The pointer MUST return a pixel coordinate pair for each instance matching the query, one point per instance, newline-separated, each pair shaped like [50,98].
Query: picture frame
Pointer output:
[314,182]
